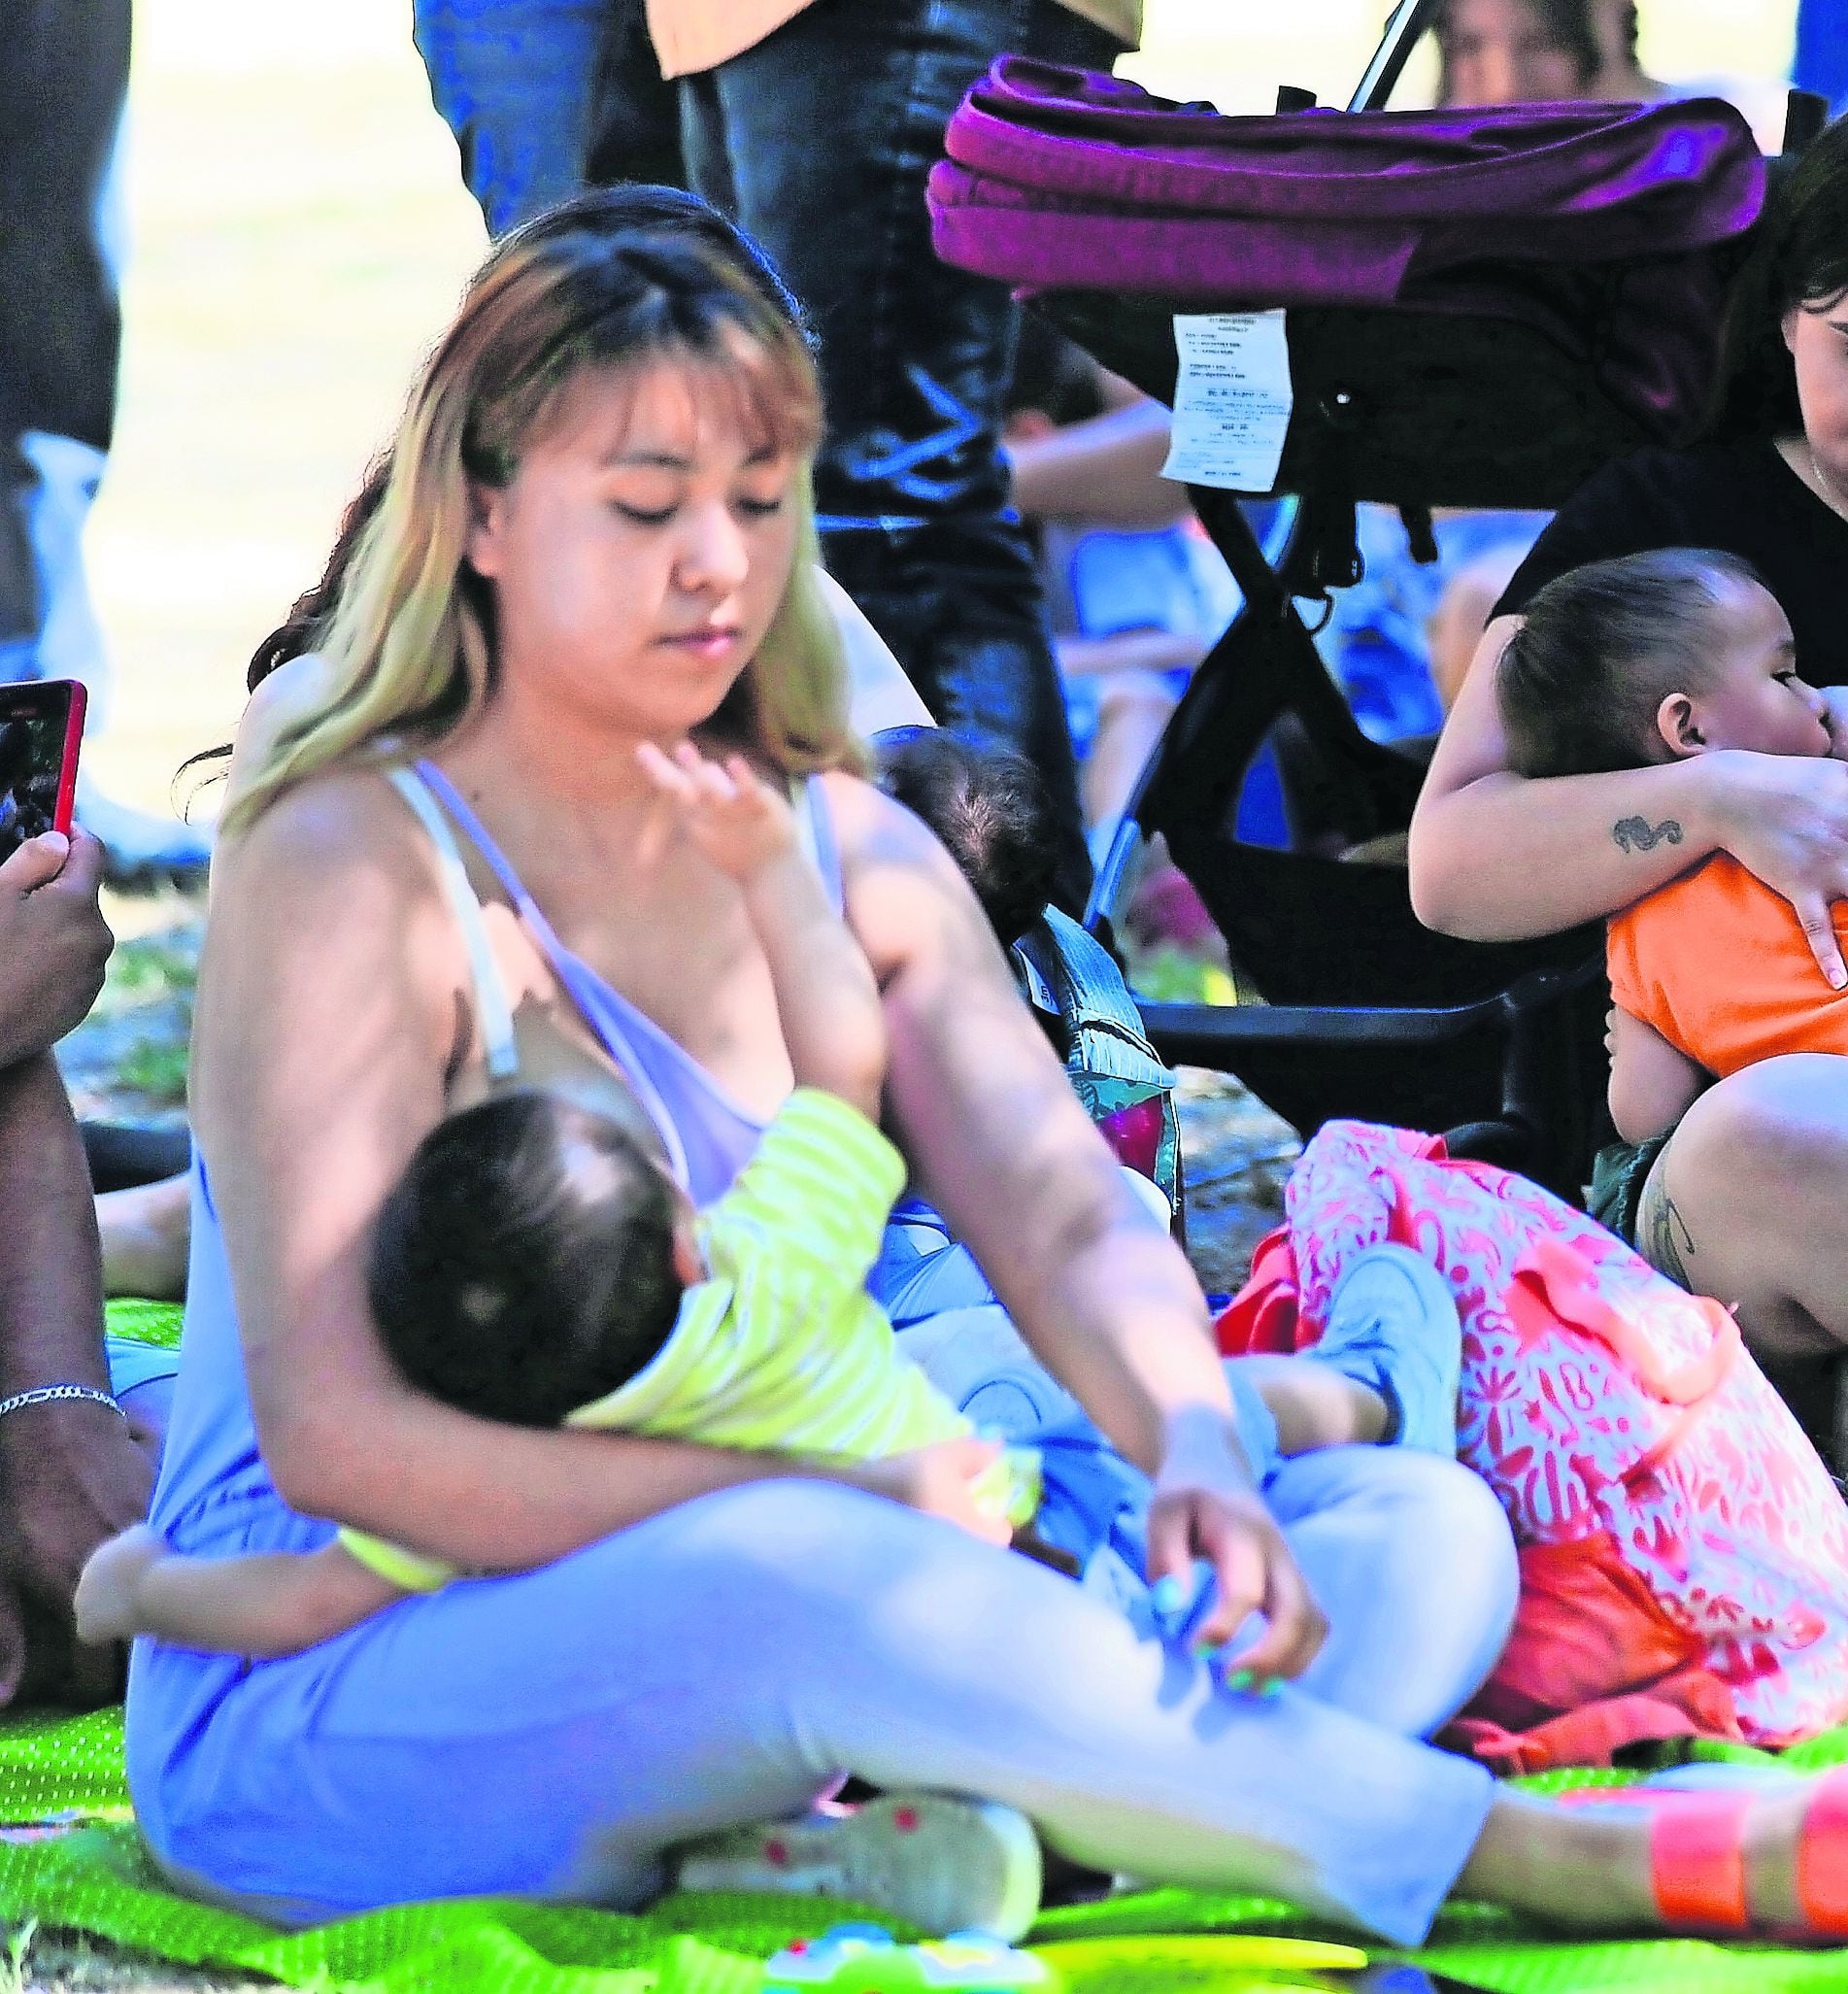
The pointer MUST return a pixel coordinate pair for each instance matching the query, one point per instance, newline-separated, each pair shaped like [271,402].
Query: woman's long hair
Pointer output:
[611,280]
[1799,261]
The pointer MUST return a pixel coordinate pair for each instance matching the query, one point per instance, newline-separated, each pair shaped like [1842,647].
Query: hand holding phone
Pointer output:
[40,730]
[53,940]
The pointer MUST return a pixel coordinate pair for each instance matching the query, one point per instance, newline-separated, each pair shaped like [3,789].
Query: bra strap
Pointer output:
[498,1044]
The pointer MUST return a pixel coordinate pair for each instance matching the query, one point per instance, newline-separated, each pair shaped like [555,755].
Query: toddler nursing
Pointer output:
[538,1263]
[1649,659]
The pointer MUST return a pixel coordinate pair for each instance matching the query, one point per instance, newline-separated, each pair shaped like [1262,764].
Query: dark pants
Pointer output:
[818,141]
[63,78]
[547,97]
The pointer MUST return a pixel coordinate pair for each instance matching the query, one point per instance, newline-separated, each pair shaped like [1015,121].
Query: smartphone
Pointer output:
[40,730]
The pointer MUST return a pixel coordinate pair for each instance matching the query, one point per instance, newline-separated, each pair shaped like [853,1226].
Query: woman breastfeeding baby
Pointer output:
[579,665]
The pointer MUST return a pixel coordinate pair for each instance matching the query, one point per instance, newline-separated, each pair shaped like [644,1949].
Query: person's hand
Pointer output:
[735,817]
[1785,820]
[941,1480]
[1205,1508]
[72,1476]
[53,941]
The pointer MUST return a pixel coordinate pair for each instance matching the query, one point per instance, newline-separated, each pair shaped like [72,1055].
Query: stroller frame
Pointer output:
[1498,1047]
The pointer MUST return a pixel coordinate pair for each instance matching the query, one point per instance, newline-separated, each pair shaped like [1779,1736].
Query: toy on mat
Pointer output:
[866,1959]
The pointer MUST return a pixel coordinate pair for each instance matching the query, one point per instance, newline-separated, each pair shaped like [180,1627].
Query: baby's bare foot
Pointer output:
[105,1601]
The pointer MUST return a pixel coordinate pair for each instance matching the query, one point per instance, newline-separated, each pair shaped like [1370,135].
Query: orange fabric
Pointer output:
[1262,1319]
[1593,1664]
[1717,965]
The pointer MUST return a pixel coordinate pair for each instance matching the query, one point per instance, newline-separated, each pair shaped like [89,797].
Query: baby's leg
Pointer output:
[266,1603]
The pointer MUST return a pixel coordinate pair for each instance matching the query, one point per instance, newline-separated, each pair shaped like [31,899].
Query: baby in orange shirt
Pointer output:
[1648,659]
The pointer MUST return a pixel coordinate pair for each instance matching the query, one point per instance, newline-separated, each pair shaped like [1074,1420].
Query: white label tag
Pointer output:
[1231,400]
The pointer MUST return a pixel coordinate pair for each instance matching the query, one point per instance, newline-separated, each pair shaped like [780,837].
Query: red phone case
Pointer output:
[18,702]
[66,805]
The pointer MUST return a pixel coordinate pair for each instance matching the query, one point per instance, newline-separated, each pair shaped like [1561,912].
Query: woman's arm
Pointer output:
[1495,856]
[1004,1147]
[332,1000]
[1106,470]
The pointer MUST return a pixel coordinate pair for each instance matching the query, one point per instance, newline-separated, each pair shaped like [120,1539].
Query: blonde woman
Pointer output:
[593,536]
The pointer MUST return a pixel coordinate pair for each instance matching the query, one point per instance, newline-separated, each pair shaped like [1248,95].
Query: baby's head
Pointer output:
[990,811]
[530,1259]
[1652,658]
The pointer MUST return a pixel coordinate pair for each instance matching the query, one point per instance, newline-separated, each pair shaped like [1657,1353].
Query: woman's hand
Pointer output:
[1785,820]
[940,1480]
[1206,1507]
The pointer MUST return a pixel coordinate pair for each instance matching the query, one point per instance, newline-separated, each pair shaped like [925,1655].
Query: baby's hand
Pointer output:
[105,1607]
[735,818]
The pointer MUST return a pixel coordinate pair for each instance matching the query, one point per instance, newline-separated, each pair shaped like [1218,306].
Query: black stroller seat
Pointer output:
[1520,383]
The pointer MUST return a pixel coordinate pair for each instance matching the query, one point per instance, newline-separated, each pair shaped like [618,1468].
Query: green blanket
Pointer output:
[70,1859]
[82,1867]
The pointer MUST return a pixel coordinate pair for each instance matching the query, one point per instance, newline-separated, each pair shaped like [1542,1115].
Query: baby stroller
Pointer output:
[1483,307]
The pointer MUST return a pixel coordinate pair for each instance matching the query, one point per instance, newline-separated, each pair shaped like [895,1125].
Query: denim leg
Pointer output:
[64,79]
[819,140]
[546,97]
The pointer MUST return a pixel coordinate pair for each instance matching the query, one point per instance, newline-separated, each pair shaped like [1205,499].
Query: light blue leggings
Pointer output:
[550,1733]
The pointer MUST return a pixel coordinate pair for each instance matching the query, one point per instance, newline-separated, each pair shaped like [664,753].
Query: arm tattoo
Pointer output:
[1637,834]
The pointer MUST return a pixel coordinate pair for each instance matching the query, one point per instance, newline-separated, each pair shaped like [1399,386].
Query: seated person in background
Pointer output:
[1135,592]
[72,1469]
[537,1264]
[1652,658]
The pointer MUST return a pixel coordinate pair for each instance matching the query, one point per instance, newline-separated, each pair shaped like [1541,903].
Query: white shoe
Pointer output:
[942,1863]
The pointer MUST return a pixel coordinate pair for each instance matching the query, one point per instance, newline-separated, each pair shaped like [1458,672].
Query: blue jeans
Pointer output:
[63,80]
[818,141]
[547,97]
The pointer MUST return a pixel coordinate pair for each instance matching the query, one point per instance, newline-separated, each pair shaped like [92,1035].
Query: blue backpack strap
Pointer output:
[1108,1055]
[1103,1028]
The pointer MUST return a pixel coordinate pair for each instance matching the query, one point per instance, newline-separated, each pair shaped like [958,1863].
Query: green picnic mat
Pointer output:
[146,1322]
[93,1878]
[72,1860]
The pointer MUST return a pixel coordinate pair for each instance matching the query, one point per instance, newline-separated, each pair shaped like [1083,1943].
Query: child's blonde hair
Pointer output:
[613,280]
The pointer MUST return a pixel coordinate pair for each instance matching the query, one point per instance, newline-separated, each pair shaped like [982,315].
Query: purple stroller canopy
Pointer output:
[1060,179]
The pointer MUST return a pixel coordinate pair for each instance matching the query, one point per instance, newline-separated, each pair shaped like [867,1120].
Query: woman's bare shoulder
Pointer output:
[338,869]
[343,820]
[293,690]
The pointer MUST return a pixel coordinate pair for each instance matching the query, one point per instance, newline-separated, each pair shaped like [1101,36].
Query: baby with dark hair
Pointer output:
[1652,658]
[990,811]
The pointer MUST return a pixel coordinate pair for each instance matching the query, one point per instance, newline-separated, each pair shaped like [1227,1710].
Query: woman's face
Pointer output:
[1818,341]
[640,551]
[1499,51]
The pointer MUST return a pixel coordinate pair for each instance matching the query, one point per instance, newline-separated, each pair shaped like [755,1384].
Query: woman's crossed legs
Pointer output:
[724,1661]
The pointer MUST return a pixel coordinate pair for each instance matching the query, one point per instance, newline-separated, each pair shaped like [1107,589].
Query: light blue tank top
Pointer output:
[214,1492]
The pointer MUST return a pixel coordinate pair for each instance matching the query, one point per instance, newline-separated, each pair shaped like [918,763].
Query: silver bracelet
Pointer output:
[44,1395]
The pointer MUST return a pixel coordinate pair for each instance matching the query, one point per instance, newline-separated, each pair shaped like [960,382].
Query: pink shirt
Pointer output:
[691,35]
